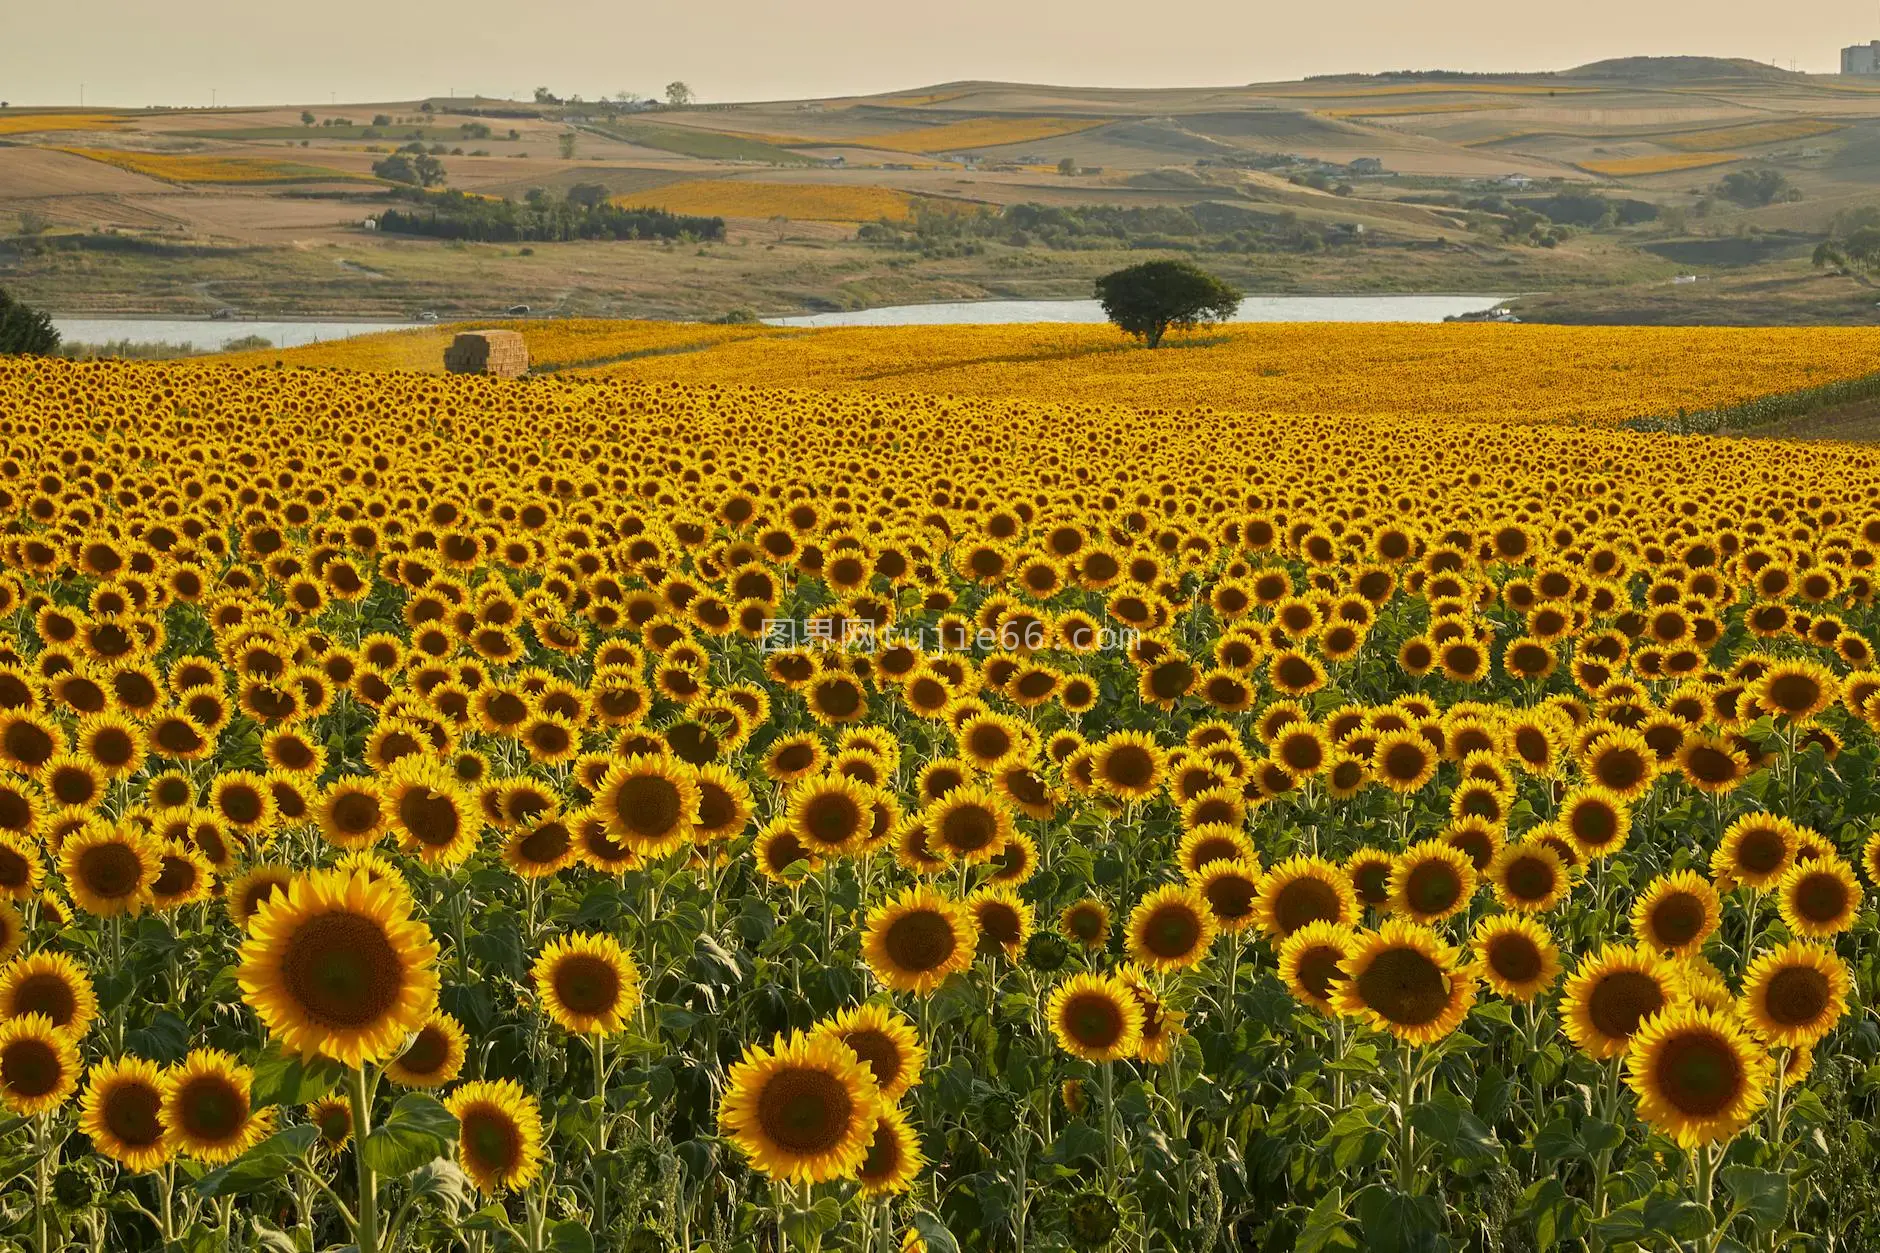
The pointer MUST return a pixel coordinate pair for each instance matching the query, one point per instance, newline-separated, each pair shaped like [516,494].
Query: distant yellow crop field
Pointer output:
[1315,92]
[979,133]
[553,345]
[35,123]
[1468,371]
[810,202]
[1665,163]
[1750,134]
[194,168]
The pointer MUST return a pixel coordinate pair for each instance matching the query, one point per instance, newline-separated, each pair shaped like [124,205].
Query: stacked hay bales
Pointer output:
[502,353]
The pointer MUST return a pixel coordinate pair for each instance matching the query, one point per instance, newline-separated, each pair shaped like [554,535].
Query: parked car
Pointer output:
[427,315]
[519,311]
[222,315]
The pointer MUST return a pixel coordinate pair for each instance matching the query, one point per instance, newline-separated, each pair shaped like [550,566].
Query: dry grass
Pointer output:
[1750,134]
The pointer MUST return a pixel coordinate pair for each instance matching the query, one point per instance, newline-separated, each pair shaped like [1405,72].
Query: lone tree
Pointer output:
[678,94]
[25,330]
[1150,299]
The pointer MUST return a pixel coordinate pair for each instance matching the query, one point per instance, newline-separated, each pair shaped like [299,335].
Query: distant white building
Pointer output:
[1861,58]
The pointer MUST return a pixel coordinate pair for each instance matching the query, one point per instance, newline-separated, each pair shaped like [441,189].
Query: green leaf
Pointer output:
[1075,1141]
[806,1227]
[1393,1222]
[934,1233]
[1557,1141]
[1762,1194]
[443,1183]
[261,1165]
[1325,1226]
[418,1130]
[1445,1119]
[569,1236]
[288,1079]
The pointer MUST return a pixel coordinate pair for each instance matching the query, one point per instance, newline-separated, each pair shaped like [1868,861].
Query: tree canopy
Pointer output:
[25,330]
[1151,299]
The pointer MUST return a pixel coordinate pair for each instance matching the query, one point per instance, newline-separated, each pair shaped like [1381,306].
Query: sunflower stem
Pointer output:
[42,1189]
[366,1230]
[1109,1121]
[599,1044]
[1406,1134]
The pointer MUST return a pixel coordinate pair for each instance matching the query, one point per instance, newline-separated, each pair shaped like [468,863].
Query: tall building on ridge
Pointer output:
[1861,58]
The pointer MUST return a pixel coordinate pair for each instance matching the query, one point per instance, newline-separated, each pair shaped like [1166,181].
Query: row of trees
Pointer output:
[25,330]
[585,213]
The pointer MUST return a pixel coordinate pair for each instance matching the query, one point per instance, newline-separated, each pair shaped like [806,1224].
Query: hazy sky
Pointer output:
[134,52]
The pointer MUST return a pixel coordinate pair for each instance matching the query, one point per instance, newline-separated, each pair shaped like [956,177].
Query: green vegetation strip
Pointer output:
[1763,410]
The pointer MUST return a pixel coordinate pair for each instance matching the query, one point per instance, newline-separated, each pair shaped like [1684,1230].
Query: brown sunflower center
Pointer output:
[1172,932]
[111,870]
[1404,761]
[427,1053]
[1129,766]
[805,1110]
[547,843]
[831,819]
[1514,957]
[30,1067]
[1761,851]
[1793,693]
[356,812]
[1698,1074]
[1709,764]
[431,817]
[341,970]
[649,805]
[177,876]
[1677,919]
[587,984]
[1797,995]
[999,926]
[1318,969]
[1230,896]
[1405,986]
[211,1108]
[45,993]
[130,1112]
[1305,900]
[491,1140]
[884,1155]
[878,1052]
[968,828]
[1530,879]
[1094,1020]
[1820,898]
[920,941]
[1623,999]
[1433,887]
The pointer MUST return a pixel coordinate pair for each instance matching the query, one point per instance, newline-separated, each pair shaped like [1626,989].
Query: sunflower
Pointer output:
[245,896]
[109,868]
[777,848]
[53,986]
[183,878]
[332,1116]
[22,869]
[969,824]
[38,1065]
[1160,1025]
[915,941]
[1369,871]
[122,1112]
[1818,898]
[804,1110]
[1430,881]
[1698,1074]
[1711,764]
[429,811]
[1796,690]
[1677,913]
[885,1040]
[1300,890]
[1530,877]
[1756,851]
[587,983]
[1610,993]
[650,803]
[207,1110]
[1403,761]
[12,929]
[724,806]
[894,1158]
[1171,928]
[499,1133]
[1086,923]
[1095,1017]
[1129,765]
[434,1056]
[1405,979]
[336,966]
[242,800]
[1516,955]
[1793,995]
[1309,961]
[1596,820]
[1005,920]
[1621,762]
[351,812]
[1230,888]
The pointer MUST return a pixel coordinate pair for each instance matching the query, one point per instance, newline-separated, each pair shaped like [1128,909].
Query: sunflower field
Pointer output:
[565,814]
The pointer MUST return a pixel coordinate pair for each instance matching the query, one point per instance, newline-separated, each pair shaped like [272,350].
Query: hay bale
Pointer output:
[502,353]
